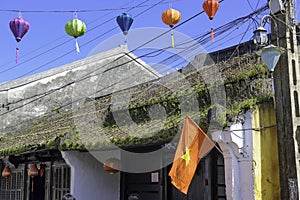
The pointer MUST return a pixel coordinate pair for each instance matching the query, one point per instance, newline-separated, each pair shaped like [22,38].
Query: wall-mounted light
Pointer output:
[270,55]
[260,37]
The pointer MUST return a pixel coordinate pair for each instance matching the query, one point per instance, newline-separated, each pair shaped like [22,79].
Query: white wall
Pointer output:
[236,144]
[88,179]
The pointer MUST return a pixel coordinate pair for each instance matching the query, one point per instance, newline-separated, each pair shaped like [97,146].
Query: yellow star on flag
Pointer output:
[193,145]
[186,156]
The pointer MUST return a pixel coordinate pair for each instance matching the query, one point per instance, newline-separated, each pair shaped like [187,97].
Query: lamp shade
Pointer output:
[124,21]
[171,17]
[270,55]
[210,7]
[19,28]
[75,28]
[6,172]
[33,171]
[112,165]
[260,37]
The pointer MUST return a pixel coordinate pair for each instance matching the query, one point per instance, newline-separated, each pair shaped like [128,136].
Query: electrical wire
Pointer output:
[62,37]
[235,22]
[29,102]
[204,39]
[49,92]
[85,11]
[86,43]
[59,45]
[250,5]
[241,18]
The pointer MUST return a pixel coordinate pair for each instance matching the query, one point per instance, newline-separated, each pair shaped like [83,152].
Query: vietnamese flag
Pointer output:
[193,145]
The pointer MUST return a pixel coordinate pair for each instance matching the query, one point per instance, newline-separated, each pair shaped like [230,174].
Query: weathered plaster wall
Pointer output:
[236,144]
[98,75]
[265,153]
[251,156]
[89,180]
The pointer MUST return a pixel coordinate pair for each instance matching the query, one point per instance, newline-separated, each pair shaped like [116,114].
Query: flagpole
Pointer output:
[206,135]
[219,149]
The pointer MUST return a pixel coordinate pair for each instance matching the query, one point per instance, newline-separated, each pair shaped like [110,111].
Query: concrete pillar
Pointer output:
[287,90]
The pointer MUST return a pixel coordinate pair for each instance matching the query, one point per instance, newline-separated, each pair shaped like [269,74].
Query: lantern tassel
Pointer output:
[212,35]
[77,46]
[17,55]
[32,185]
[125,43]
[173,40]
[6,183]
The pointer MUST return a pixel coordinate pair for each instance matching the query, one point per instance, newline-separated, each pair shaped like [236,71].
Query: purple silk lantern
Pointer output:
[19,28]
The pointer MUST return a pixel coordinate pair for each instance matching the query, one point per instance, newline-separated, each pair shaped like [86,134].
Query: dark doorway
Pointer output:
[208,181]
[142,186]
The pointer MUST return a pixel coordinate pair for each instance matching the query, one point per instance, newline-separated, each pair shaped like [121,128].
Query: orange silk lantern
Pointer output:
[112,165]
[32,172]
[171,17]
[6,173]
[211,7]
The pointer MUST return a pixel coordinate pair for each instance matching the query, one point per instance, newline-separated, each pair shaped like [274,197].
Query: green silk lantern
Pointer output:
[75,28]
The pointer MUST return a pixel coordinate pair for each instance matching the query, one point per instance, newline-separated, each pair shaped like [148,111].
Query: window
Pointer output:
[61,180]
[12,189]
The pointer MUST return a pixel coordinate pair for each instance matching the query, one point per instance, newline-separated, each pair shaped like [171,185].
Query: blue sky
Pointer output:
[47,28]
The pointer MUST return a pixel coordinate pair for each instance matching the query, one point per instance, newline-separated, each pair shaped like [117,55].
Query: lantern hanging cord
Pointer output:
[59,45]
[88,42]
[139,14]
[75,16]
[64,86]
[258,11]
[82,11]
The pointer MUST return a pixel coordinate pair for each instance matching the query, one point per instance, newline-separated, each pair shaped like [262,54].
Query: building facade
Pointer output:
[70,118]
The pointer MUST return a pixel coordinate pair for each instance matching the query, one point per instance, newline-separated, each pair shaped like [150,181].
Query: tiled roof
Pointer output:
[94,126]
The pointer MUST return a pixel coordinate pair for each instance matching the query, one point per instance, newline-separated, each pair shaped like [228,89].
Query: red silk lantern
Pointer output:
[171,17]
[32,172]
[211,7]
[112,165]
[6,173]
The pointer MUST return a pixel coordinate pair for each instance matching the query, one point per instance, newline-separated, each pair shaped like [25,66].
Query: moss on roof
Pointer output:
[93,126]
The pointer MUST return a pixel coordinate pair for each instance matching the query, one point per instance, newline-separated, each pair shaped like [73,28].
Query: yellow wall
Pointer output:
[265,153]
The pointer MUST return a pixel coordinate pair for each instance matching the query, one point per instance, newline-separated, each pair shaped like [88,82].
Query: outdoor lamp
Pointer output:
[270,55]
[260,37]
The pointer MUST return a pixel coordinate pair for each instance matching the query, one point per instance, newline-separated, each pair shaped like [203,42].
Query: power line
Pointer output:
[205,38]
[107,64]
[49,92]
[86,43]
[85,11]
[202,36]
[62,37]
[61,44]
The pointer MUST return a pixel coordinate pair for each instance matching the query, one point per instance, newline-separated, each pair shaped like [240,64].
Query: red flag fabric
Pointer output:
[193,145]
